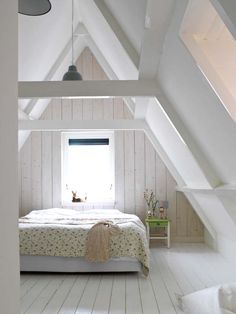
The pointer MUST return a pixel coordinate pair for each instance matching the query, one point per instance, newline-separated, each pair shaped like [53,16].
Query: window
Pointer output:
[88,166]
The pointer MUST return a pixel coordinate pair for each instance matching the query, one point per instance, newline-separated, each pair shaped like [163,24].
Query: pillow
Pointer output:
[218,300]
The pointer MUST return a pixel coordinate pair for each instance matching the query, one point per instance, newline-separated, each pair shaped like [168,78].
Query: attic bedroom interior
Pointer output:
[118,187]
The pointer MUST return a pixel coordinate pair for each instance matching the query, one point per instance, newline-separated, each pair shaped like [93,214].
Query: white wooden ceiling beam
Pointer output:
[158,15]
[117,30]
[107,41]
[22,115]
[87,89]
[204,166]
[70,125]
[224,189]
[177,176]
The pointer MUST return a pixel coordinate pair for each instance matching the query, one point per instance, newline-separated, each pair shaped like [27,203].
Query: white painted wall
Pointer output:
[9,249]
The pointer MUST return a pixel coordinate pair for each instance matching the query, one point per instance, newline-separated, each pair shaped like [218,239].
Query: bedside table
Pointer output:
[160,223]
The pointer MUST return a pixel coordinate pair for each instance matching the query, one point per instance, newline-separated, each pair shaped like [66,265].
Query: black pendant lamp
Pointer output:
[34,7]
[72,74]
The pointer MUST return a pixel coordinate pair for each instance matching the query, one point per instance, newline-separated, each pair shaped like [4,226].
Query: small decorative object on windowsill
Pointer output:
[151,201]
[75,199]
[163,205]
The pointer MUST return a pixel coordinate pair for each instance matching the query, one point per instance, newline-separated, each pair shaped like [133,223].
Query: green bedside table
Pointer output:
[161,223]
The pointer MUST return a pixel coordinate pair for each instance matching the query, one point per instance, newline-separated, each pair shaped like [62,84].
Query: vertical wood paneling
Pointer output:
[47,164]
[79,64]
[119,170]
[182,215]
[19,183]
[87,65]
[160,178]
[56,156]
[36,166]
[194,225]
[139,179]
[171,197]
[127,112]
[87,109]
[119,158]
[108,109]
[88,75]
[129,172]
[26,177]
[118,108]
[137,165]
[97,74]
[150,166]
[77,109]
[66,108]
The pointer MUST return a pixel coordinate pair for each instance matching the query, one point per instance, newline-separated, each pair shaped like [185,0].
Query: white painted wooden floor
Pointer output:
[181,269]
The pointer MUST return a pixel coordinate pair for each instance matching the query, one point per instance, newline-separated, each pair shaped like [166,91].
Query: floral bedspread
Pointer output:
[63,232]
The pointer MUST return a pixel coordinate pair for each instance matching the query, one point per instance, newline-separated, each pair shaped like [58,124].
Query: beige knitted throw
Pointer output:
[98,241]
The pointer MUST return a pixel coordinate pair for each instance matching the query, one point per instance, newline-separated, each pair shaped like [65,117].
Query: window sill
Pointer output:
[88,205]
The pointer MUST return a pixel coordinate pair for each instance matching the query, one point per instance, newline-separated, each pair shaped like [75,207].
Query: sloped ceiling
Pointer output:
[41,40]
[187,122]
[132,27]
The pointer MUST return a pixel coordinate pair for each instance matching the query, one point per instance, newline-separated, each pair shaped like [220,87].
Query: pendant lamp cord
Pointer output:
[72,31]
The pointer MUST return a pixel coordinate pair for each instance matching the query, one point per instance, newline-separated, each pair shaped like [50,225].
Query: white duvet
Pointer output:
[63,232]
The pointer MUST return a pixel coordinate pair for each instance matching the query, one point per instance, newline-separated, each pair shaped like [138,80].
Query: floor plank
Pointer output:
[181,269]
[117,304]
[147,294]
[60,295]
[162,295]
[133,301]
[44,298]
[102,303]
[33,294]
[72,301]
[89,296]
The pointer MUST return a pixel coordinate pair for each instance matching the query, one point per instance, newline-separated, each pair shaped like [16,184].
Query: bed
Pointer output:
[54,240]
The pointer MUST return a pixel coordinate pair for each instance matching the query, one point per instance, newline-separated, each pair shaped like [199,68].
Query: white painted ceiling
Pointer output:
[41,40]
[130,14]
[214,49]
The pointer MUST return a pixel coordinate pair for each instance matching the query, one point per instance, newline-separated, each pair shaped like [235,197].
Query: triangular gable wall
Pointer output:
[137,165]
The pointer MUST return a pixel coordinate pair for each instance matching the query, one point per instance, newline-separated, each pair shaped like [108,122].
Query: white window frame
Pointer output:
[65,136]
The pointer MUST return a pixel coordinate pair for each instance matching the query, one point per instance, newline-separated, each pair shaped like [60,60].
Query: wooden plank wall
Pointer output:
[137,165]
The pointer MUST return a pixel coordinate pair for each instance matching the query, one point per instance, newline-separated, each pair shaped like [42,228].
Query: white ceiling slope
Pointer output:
[186,121]
[211,132]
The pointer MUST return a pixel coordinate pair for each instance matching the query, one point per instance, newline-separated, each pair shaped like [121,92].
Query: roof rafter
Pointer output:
[112,49]
[156,25]
[123,39]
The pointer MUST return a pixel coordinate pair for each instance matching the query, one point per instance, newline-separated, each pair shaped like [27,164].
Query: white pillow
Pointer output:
[218,300]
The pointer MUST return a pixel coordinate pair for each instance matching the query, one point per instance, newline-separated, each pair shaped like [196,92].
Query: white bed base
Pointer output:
[32,263]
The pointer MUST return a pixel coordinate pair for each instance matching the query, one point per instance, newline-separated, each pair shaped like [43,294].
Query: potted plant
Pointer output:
[151,201]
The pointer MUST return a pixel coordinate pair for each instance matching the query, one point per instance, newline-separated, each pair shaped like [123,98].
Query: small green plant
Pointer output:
[151,201]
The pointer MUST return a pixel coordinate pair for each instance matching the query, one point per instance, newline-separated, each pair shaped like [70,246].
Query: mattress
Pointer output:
[63,232]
